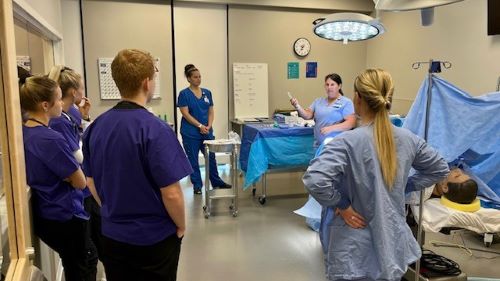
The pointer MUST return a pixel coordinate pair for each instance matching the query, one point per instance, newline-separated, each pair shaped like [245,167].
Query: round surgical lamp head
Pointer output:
[347,27]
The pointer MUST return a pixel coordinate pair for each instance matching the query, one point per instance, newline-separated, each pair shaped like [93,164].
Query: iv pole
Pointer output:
[434,67]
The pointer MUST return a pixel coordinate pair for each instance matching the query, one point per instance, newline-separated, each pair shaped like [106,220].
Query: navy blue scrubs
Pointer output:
[192,139]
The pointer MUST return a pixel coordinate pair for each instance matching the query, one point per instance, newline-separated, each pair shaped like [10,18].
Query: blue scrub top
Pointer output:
[49,161]
[131,154]
[348,166]
[198,108]
[328,114]
[68,128]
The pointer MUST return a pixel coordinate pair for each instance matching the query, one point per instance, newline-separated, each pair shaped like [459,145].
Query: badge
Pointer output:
[206,100]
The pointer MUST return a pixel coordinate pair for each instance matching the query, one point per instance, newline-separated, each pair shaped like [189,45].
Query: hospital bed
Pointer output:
[438,218]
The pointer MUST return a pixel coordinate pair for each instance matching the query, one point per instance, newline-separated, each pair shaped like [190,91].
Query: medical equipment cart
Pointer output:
[228,147]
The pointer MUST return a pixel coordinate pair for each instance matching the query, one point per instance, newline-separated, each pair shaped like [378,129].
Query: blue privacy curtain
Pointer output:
[463,129]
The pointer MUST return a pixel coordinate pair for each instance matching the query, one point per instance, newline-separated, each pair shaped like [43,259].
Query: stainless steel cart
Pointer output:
[230,193]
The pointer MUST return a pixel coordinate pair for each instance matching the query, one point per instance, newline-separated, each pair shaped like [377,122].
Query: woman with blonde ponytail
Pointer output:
[56,181]
[369,239]
[69,125]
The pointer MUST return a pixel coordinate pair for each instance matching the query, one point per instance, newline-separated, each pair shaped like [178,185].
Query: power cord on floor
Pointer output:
[439,264]
[467,250]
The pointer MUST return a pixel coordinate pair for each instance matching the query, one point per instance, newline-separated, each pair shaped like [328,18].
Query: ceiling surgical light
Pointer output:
[347,27]
[407,5]
[426,7]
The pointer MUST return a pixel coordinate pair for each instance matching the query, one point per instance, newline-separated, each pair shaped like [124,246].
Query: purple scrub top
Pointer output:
[49,161]
[131,154]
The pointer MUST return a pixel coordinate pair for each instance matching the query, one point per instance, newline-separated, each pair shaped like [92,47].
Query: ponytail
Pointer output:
[385,147]
[66,77]
[375,86]
[35,90]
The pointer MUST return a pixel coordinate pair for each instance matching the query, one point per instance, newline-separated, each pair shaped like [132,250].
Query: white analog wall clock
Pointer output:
[302,47]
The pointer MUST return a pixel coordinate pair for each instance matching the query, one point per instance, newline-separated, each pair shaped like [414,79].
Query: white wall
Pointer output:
[266,35]
[49,10]
[72,34]
[110,26]
[200,39]
[458,35]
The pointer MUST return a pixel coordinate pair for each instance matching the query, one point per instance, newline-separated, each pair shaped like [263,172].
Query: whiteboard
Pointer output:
[250,90]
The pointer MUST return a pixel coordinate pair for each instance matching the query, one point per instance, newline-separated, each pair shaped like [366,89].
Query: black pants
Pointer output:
[71,240]
[126,262]
[94,211]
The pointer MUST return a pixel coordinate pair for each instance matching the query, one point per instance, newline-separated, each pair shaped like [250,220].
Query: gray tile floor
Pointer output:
[271,243]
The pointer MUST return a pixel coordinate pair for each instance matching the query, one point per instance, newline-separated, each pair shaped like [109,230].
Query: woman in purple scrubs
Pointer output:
[69,125]
[56,181]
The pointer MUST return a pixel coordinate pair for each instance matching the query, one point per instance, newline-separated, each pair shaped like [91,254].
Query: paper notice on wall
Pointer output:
[24,62]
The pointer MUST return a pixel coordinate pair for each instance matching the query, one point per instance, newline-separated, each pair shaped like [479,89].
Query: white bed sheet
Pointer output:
[437,216]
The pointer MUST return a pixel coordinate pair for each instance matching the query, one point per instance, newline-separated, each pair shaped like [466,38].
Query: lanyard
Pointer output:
[38,121]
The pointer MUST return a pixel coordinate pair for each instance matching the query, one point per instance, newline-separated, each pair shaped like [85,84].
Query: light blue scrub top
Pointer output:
[384,248]
[328,114]
[198,108]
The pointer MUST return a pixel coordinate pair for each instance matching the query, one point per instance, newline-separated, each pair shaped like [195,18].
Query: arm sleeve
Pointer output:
[66,131]
[209,94]
[344,201]
[312,107]
[348,109]
[58,157]
[322,178]
[182,100]
[429,166]
[166,160]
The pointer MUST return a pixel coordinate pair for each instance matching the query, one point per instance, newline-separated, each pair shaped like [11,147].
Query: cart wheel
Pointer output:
[253,192]
[235,213]
[207,215]
[262,200]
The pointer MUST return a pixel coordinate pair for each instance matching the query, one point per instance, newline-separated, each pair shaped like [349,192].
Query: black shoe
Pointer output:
[225,185]
[197,191]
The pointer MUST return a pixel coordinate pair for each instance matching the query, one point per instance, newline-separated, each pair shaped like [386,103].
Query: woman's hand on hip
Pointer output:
[351,217]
